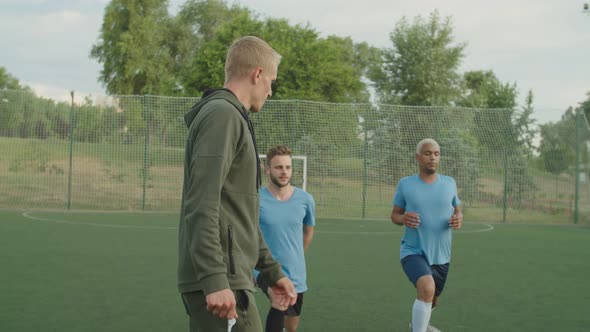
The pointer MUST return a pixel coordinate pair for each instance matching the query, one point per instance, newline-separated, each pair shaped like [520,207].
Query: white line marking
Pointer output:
[69,222]
[488,227]
[431,328]
[356,233]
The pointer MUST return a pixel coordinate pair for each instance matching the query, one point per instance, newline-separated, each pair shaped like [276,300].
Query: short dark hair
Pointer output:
[278,150]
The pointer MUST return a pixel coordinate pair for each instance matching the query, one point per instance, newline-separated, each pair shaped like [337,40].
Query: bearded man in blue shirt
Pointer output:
[287,220]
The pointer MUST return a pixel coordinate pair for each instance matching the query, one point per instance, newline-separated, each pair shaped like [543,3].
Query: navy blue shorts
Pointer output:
[416,266]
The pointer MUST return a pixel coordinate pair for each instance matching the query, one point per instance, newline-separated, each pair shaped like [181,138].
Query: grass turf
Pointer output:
[117,272]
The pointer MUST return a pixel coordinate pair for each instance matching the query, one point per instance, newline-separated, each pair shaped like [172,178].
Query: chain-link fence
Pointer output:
[126,153]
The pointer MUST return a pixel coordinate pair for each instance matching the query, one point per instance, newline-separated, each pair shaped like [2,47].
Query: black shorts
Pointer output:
[416,266]
[293,310]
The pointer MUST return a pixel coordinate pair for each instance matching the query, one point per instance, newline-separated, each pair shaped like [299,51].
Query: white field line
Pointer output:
[28,215]
[355,233]
[487,228]
[73,222]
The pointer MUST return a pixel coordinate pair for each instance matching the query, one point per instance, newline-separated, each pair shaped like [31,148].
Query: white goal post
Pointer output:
[303,170]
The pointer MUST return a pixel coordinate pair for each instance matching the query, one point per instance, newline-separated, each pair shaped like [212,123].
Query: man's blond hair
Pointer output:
[426,141]
[248,53]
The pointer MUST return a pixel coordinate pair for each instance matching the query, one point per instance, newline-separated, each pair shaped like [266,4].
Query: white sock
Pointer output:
[420,315]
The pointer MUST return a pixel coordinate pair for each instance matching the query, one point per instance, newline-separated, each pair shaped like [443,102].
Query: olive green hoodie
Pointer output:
[219,240]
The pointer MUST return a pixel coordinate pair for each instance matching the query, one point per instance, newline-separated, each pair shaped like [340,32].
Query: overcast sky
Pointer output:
[541,45]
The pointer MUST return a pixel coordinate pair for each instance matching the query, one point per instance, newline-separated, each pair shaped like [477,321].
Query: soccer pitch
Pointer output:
[95,271]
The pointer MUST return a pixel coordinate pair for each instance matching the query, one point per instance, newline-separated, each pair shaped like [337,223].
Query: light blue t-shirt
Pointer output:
[282,223]
[435,204]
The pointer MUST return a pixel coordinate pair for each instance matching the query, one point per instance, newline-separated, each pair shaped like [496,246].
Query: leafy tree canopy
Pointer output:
[144,50]
[133,49]
[312,68]
[422,66]
[482,89]
[9,82]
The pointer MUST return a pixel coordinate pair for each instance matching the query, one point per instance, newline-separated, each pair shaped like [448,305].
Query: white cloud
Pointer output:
[50,51]
[52,24]
[70,16]
[23,2]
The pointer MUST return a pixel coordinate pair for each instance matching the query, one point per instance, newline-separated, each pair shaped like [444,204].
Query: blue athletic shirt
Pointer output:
[282,223]
[435,204]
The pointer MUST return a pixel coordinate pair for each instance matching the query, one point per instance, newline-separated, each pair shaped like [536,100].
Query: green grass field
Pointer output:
[116,272]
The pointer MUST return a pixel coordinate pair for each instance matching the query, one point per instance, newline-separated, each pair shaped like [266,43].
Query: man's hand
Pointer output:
[411,219]
[282,294]
[222,304]
[456,220]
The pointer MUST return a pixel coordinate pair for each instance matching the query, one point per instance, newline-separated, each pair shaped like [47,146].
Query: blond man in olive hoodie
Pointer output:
[220,241]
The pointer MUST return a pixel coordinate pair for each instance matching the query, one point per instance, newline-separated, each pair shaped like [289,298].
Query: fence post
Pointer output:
[69,195]
[507,142]
[577,168]
[505,198]
[146,149]
[365,168]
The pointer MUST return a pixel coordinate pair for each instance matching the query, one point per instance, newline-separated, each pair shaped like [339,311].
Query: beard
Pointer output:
[277,182]
[428,170]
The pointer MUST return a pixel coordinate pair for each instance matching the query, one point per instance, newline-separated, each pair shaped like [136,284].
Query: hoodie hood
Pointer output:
[209,95]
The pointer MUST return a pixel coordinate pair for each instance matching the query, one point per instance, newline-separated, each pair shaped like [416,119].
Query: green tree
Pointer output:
[558,143]
[133,49]
[204,16]
[496,102]
[319,69]
[312,68]
[585,106]
[195,24]
[482,89]
[14,100]
[503,134]
[207,64]
[524,124]
[9,82]
[421,68]
[340,71]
